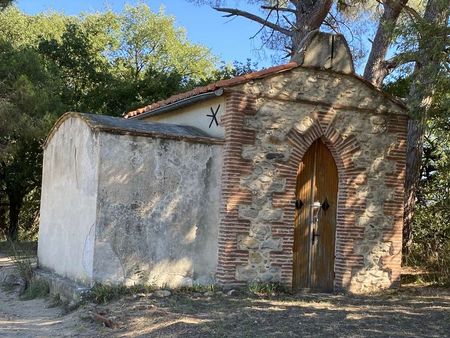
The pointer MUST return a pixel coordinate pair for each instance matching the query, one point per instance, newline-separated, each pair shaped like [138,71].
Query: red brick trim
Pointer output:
[394,208]
[349,177]
[233,195]
[350,206]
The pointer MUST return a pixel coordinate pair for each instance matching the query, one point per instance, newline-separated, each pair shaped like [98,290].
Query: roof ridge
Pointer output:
[246,78]
[212,87]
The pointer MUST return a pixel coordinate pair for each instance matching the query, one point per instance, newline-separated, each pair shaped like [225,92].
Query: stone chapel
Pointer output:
[293,174]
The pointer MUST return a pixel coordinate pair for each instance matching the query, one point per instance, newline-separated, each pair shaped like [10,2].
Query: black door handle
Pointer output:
[298,204]
[325,205]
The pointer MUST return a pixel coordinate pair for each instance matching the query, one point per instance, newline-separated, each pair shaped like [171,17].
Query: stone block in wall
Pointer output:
[261,231]
[248,212]
[378,123]
[273,274]
[249,152]
[304,125]
[270,215]
[255,257]
[272,244]
[245,242]
[249,274]
[245,273]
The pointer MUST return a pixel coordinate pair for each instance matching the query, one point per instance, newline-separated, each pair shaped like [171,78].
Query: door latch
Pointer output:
[316,208]
[314,235]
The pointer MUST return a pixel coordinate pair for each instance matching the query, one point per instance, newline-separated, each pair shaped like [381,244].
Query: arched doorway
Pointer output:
[315,220]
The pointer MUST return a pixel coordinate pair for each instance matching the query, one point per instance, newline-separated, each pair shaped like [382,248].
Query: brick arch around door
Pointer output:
[349,177]
[236,245]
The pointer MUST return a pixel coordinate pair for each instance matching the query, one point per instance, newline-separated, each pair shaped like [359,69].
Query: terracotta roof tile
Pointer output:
[212,87]
[239,80]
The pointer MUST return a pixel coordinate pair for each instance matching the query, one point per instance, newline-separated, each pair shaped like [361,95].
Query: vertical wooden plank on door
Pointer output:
[302,222]
[323,247]
[317,181]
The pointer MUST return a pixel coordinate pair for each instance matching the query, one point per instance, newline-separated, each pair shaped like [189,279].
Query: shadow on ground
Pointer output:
[395,315]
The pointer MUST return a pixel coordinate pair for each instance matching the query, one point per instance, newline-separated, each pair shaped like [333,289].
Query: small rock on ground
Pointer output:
[162,293]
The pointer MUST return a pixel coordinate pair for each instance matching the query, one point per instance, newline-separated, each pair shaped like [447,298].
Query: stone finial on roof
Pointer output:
[325,51]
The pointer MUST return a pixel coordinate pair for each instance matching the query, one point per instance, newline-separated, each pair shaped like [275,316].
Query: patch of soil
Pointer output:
[38,318]
[410,312]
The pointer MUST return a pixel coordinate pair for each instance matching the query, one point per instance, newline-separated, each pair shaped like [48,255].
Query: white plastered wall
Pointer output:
[158,211]
[196,115]
[69,201]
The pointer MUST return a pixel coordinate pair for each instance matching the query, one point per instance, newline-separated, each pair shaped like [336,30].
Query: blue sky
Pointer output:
[228,39]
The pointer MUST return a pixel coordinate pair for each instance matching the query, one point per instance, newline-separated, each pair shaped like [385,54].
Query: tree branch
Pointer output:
[413,14]
[294,27]
[400,59]
[331,26]
[376,70]
[279,9]
[262,27]
[253,17]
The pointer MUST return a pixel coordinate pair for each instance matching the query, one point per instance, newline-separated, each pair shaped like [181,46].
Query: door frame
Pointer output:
[309,288]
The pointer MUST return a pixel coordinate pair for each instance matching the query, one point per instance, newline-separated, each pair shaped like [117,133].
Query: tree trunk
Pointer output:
[3,218]
[376,70]
[15,204]
[431,55]
[414,150]
[309,16]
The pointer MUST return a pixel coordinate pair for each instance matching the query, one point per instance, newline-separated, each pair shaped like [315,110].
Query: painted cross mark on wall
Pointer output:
[213,116]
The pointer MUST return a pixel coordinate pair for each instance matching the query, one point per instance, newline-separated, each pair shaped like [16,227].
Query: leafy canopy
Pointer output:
[104,63]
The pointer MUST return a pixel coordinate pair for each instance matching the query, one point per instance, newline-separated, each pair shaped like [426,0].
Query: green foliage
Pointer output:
[150,40]
[431,231]
[227,71]
[398,87]
[37,288]
[268,289]
[104,63]
[83,72]
[430,247]
[22,257]
[104,293]
[5,3]
[22,30]
[27,110]
[196,288]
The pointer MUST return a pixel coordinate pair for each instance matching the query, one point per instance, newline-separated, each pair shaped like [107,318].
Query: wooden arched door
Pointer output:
[315,220]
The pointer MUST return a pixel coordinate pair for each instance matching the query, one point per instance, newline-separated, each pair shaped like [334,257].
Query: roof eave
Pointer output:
[180,104]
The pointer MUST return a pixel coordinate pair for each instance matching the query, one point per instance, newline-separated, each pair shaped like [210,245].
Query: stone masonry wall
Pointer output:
[157,211]
[269,125]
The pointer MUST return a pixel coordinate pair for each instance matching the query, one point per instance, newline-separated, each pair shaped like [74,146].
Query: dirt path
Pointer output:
[35,318]
[38,317]
[424,313]
[409,312]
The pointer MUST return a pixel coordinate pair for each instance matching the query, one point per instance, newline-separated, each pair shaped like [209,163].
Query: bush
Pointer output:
[23,257]
[430,248]
[37,288]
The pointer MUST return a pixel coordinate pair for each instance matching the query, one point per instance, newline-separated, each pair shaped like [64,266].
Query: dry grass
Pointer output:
[412,312]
